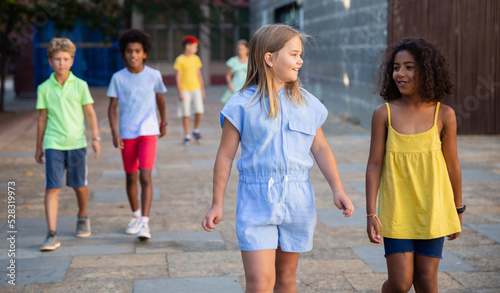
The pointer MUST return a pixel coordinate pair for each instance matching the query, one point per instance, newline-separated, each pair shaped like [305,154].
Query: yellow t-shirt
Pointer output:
[188,65]
[415,194]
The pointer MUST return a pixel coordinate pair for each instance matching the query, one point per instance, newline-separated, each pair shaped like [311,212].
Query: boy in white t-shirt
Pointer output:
[138,91]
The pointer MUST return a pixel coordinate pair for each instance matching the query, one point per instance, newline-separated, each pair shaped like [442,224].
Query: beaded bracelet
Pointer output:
[375,216]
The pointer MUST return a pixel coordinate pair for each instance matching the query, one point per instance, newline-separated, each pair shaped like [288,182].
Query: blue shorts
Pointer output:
[427,247]
[268,217]
[75,163]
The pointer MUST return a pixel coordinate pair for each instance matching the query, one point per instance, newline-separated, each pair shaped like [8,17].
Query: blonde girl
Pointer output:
[278,124]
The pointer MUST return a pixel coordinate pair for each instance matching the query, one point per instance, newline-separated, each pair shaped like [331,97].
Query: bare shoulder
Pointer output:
[380,113]
[447,113]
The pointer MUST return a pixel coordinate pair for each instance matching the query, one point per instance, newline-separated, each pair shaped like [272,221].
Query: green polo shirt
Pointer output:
[66,123]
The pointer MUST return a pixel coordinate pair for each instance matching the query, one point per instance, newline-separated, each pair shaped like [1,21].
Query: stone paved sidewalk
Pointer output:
[181,257]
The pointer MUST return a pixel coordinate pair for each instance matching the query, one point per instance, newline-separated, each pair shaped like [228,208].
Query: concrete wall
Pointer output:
[340,65]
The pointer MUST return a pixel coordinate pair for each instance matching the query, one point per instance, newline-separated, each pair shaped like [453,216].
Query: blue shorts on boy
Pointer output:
[275,201]
[136,93]
[75,163]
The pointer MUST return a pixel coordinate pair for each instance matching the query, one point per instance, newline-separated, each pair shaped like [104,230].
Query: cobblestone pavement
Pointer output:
[181,257]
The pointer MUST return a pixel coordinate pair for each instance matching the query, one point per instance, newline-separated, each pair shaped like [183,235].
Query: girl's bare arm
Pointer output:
[222,169]
[374,169]
[328,166]
[449,146]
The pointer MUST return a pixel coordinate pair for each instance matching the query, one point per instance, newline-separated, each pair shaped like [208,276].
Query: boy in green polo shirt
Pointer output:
[63,100]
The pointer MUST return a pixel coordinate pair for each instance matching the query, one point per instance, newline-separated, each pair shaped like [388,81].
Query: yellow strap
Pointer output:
[388,113]
[436,114]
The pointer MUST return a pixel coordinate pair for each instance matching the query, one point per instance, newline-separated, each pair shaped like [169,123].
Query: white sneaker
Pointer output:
[133,226]
[144,232]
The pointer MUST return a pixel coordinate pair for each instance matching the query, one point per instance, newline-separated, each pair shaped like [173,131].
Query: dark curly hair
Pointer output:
[435,80]
[134,36]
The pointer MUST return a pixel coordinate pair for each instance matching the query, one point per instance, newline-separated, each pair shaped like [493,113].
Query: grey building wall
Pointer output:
[340,64]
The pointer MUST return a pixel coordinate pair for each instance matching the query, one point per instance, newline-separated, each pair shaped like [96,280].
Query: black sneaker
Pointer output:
[197,136]
[186,141]
[51,242]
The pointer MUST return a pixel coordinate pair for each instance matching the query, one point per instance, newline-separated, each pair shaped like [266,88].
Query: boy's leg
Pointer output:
[260,271]
[185,123]
[132,190]
[54,170]
[147,154]
[76,177]
[197,121]
[185,111]
[51,206]
[131,165]
[199,110]
[82,195]
[146,191]
[286,268]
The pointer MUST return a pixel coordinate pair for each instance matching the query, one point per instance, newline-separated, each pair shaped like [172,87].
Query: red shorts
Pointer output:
[138,153]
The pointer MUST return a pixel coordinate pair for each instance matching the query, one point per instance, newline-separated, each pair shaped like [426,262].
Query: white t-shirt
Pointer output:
[136,93]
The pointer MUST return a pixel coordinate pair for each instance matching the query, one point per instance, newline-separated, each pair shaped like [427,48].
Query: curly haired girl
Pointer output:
[413,165]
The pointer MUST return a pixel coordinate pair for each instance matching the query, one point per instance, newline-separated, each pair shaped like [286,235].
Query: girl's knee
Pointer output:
[400,285]
[285,277]
[426,278]
[260,283]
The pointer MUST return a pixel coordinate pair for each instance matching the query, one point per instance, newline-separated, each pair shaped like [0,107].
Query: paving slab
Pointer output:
[114,159]
[17,154]
[196,236]
[226,284]
[174,166]
[119,194]
[120,174]
[358,186]
[203,163]
[479,175]
[335,218]
[202,149]
[37,270]
[34,230]
[352,168]
[373,256]
[202,131]
[491,230]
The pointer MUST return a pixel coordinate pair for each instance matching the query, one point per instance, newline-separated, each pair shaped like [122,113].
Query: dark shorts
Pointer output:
[75,163]
[427,247]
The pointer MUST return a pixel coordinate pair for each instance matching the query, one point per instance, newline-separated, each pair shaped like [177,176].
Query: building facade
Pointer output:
[340,61]
[341,64]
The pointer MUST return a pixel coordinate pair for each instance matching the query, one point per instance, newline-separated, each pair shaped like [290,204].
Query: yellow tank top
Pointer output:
[415,194]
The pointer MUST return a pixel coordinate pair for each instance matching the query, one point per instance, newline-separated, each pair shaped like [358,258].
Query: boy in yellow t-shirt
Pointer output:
[190,87]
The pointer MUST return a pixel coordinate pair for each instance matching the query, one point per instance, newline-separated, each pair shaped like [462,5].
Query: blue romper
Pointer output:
[275,200]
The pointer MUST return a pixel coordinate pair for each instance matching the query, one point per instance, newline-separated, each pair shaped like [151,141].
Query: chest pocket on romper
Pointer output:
[301,136]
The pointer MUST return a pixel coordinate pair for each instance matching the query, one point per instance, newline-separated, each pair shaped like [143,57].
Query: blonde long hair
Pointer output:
[270,39]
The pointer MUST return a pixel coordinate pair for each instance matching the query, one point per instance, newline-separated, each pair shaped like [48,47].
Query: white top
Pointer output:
[136,93]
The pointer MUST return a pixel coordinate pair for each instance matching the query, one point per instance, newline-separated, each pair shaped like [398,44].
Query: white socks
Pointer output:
[196,131]
[145,220]
[137,214]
